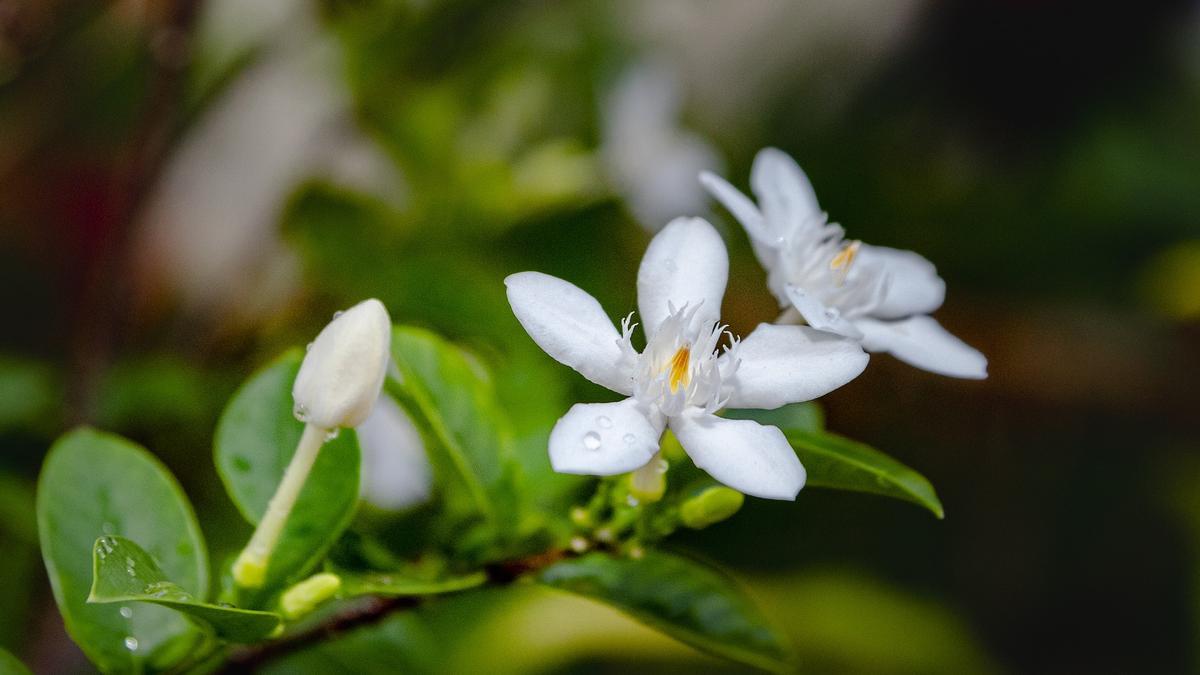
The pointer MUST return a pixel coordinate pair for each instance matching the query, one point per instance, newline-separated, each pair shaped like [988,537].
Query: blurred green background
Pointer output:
[187,187]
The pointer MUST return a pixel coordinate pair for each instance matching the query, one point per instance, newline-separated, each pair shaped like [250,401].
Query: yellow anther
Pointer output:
[843,260]
[680,373]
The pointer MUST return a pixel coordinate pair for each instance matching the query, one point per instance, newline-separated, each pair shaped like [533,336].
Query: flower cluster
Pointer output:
[852,296]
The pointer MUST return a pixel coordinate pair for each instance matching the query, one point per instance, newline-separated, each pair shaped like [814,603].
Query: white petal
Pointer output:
[785,195]
[395,469]
[569,324]
[685,264]
[922,342]
[604,439]
[914,286]
[817,315]
[342,373]
[739,205]
[789,364]
[743,454]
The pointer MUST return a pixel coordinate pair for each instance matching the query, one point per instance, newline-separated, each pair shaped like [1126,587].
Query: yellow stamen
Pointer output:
[843,260]
[680,373]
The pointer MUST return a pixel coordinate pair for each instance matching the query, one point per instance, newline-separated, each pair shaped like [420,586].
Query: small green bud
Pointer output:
[305,596]
[648,483]
[712,505]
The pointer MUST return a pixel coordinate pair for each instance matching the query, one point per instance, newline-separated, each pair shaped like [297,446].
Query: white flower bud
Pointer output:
[343,371]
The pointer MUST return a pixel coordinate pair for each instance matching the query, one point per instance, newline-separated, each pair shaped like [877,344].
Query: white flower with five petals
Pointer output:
[681,378]
[877,295]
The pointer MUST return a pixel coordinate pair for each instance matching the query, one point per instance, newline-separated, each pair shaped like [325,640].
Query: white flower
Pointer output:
[395,469]
[651,160]
[343,370]
[680,379]
[879,296]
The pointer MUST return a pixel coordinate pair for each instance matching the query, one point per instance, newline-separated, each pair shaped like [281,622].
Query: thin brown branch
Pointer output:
[369,611]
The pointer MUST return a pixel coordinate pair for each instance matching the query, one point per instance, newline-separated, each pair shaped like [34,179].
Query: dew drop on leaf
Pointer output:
[127,612]
[131,643]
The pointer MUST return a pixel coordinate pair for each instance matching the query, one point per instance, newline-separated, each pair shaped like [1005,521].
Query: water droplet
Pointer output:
[308,347]
[669,263]
[127,612]
[661,466]
[629,439]
[108,528]
[338,313]
[332,434]
[591,440]
[300,412]
[604,422]
[131,643]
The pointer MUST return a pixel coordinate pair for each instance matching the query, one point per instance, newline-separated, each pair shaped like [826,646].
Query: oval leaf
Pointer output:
[804,417]
[124,572]
[399,584]
[450,395]
[95,484]
[833,461]
[692,603]
[255,439]
[11,665]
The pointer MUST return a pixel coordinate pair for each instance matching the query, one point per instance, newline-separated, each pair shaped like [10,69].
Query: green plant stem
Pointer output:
[251,565]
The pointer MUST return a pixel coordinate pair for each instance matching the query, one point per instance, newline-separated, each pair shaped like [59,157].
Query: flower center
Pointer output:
[680,372]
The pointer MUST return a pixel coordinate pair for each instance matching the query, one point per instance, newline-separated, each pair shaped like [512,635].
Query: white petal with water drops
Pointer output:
[604,439]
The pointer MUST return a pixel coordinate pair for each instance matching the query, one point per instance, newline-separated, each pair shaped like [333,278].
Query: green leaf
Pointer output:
[10,665]
[255,439]
[399,584]
[692,603]
[833,461]
[123,572]
[805,417]
[451,397]
[96,484]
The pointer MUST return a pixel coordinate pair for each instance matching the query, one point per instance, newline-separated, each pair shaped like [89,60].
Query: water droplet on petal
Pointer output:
[308,347]
[591,440]
[131,643]
[338,313]
[127,612]
[629,439]
[604,422]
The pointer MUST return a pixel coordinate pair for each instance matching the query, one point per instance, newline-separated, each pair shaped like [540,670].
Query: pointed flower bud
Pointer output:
[711,506]
[343,371]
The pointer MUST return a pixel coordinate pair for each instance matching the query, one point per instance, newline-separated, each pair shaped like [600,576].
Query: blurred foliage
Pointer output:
[1044,155]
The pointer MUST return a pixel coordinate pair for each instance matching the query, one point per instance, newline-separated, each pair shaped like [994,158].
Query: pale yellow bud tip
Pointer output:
[305,596]
[249,570]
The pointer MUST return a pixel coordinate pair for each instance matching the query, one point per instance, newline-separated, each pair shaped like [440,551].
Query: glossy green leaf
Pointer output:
[124,572]
[836,462]
[807,417]
[95,484]
[11,665]
[399,584]
[255,439]
[452,399]
[693,603]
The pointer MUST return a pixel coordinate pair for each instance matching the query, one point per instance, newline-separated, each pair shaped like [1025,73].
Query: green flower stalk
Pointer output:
[337,386]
